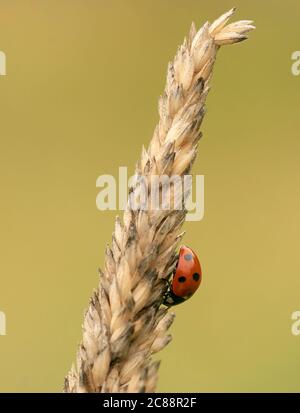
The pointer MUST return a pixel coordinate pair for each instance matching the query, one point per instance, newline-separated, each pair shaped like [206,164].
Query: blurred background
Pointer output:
[79,100]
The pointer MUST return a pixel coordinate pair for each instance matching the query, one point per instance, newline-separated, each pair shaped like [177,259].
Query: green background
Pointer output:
[78,101]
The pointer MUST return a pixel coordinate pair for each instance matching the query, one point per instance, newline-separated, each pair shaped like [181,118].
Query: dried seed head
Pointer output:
[124,323]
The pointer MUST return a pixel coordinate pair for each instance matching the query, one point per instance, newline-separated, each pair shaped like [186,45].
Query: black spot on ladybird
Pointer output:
[182,279]
[188,257]
[196,276]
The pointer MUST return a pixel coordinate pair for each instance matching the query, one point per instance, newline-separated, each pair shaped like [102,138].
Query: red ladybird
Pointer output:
[186,279]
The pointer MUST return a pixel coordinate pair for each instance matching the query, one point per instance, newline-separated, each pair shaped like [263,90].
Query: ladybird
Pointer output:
[186,278]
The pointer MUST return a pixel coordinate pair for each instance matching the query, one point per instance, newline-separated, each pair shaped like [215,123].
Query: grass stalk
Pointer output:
[125,323]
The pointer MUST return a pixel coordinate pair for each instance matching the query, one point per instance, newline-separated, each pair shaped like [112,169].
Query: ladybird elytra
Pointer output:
[186,279]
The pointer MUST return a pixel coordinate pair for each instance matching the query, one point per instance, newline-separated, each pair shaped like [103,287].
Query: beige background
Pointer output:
[79,100]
